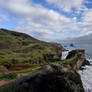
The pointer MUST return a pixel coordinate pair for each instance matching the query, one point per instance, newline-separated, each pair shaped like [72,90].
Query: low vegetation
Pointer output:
[29,68]
[8,76]
[20,48]
[36,66]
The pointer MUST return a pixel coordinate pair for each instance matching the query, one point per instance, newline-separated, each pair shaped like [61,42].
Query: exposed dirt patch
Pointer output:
[5,82]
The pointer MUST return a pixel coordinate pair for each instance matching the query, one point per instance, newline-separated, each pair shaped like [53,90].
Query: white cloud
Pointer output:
[87,16]
[35,18]
[16,6]
[45,23]
[86,23]
[68,5]
[3,18]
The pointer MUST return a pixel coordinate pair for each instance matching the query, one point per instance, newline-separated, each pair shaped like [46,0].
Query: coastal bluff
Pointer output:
[59,76]
[77,58]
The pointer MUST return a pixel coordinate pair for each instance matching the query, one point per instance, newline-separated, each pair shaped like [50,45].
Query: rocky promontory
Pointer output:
[78,58]
[58,76]
[36,66]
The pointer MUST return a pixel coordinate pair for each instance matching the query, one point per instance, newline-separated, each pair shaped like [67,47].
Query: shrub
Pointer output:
[8,76]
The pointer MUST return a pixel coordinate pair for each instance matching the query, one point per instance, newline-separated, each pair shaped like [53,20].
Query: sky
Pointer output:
[47,20]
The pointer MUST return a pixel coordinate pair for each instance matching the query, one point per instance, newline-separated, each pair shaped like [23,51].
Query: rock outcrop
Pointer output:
[86,62]
[76,58]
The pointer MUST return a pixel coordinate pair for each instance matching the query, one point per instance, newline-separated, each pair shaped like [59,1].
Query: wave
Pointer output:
[86,76]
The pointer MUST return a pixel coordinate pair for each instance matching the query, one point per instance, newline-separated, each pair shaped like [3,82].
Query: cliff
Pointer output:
[75,59]
[59,76]
[47,73]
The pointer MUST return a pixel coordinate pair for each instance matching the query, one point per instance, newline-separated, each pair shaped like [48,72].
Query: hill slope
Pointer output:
[18,47]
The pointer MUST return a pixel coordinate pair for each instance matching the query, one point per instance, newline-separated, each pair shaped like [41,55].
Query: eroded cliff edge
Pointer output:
[59,76]
[75,59]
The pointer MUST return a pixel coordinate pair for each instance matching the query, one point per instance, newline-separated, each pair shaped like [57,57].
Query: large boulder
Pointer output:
[86,62]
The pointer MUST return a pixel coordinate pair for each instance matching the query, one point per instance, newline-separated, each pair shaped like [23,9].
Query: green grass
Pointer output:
[24,48]
[8,76]
[20,48]
[68,61]
[13,75]
[31,70]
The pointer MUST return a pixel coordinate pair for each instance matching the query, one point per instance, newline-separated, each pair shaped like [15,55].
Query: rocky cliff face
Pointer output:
[77,58]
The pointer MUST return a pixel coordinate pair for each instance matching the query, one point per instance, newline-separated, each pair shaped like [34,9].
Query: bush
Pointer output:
[8,76]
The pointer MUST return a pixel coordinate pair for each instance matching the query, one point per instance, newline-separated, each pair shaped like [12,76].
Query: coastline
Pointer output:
[70,73]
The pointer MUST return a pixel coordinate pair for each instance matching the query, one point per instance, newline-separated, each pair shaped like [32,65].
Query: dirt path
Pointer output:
[5,82]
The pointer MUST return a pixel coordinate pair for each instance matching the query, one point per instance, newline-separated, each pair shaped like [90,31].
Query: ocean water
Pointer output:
[86,77]
[86,74]
[64,55]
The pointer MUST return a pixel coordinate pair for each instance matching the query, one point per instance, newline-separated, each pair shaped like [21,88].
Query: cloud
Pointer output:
[3,18]
[69,5]
[86,23]
[35,18]
[16,6]
[45,23]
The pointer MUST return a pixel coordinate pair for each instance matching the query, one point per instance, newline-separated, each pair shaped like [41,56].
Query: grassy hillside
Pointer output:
[18,48]
[53,77]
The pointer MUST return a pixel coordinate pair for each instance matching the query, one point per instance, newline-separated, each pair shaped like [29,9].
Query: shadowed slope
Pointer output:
[49,79]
